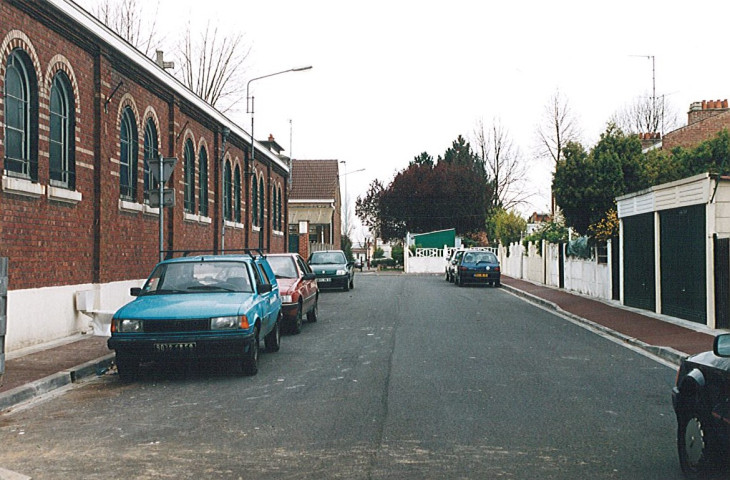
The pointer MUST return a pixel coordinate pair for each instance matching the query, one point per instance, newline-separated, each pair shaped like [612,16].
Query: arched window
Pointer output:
[21,108]
[61,134]
[273,209]
[203,182]
[128,155]
[237,195]
[254,201]
[189,176]
[279,214]
[227,207]
[262,201]
[151,152]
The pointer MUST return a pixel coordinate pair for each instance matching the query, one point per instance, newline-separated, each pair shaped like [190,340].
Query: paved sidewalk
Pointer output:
[34,373]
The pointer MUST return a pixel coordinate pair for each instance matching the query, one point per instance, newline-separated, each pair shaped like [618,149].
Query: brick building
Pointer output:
[704,120]
[82,113]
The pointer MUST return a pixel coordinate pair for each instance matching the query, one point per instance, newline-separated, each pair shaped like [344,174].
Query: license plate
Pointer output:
[324,280]
[481,275]
[175,347]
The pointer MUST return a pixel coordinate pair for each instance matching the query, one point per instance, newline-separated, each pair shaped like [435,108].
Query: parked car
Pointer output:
[477,266]
[203,307]
[332,269]
[451,264]
[297,287]
[701,400]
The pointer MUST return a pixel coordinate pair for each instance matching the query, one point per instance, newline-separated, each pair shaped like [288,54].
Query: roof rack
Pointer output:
[184,253]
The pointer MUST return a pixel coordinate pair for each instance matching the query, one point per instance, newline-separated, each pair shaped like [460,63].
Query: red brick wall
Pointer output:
[697,132]
[50,242]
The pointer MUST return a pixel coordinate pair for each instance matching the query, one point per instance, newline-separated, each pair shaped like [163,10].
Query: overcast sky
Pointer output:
[392,79]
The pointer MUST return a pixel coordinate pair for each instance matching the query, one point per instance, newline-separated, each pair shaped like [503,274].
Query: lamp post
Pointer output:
[250,109]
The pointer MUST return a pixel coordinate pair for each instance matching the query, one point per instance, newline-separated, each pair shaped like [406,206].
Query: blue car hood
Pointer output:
[187,305]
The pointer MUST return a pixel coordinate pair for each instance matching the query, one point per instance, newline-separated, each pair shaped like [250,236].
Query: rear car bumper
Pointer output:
[479,277]
[182,346]
[289,310]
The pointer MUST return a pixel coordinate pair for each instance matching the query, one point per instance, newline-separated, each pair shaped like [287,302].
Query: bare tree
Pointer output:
[558,127]
[210,63]
[504,165]
[212,66]
[133,20]
[647,114]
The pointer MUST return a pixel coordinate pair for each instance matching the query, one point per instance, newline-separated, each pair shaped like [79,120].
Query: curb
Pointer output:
[57,380]
[665,353]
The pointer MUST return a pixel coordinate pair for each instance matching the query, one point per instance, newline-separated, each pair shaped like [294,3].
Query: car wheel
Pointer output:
[273,339]
[312,314]
[352,282]
[457,281]
[696,444]
[250,362]
[497,284]
[296,325]
[346,287]
[127,366]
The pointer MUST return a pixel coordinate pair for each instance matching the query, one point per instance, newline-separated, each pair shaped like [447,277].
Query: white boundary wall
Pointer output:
[41,315]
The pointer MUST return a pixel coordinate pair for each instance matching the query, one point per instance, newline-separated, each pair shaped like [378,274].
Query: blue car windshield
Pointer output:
[197,277]
[327,258]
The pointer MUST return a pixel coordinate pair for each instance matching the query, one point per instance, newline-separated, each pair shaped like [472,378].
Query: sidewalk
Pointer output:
[34,373]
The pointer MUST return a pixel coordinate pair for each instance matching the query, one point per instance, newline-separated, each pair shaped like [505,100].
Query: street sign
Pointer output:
[168,198]
[168,165]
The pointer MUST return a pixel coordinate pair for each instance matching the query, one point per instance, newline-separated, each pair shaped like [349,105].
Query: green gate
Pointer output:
[638,262]
[683,263]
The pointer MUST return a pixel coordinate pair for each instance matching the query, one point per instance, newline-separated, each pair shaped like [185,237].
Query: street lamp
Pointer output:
[347,212]
[250,110]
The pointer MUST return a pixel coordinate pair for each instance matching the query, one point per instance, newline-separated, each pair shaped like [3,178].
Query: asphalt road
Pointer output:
[404,377]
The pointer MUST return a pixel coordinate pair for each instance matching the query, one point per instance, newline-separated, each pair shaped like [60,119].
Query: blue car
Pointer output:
[477,266]
[203,307]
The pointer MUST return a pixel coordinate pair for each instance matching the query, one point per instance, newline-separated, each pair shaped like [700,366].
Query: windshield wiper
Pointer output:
[212,287]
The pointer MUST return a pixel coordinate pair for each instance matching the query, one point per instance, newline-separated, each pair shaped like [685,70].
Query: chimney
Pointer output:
[271,138]
[699,111]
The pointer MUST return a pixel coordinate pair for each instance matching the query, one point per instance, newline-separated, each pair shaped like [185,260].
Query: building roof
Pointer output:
[315,180]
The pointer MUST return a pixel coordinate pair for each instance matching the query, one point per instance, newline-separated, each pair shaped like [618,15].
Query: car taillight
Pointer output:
[462,269]
[496,269]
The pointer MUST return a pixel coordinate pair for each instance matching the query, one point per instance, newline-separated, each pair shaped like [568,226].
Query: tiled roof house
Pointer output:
[315,199]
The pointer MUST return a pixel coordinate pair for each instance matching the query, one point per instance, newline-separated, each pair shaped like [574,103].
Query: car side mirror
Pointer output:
[309,276]
[721,346]
[135,291]
[265,288]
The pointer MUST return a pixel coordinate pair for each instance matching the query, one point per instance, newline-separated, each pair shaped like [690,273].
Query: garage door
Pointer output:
[683,263]
[638,261]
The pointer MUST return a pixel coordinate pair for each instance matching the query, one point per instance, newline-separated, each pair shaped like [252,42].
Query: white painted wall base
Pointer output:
[42,315]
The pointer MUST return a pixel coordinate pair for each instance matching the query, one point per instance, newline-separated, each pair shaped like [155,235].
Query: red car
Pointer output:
[297,288]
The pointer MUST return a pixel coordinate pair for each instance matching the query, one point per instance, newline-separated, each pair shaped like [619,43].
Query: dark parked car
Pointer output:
[701,400]
[297,287]
[477,266]
[332,269]
[203,307]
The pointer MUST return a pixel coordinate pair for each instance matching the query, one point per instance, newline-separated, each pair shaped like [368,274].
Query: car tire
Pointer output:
[346,287]
[250,361]
[497,284]
[457,281]
[352,282]
[127,366]
[295,326]
[447,276]
[314,312]
[697,444]
[273,338]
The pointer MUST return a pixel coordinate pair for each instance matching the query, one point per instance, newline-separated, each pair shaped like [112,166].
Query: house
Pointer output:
[83,115]
[314,205]
[704,120]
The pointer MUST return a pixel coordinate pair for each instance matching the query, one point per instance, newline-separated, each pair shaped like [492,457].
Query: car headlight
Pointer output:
[225,323]
[341,272]
[123,325]
[286,298]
